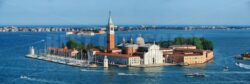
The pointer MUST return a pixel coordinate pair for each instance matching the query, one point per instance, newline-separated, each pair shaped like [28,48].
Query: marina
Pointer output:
[59,59]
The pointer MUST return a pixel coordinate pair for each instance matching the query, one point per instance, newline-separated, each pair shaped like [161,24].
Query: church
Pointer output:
[129,53]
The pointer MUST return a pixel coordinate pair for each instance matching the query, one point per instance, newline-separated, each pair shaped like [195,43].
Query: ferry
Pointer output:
[195,75]
[80,33]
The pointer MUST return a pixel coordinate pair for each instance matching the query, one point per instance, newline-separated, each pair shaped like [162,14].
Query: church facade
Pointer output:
[129,53]
[153,56]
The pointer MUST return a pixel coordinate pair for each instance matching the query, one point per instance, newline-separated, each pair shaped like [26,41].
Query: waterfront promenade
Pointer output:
[61,60]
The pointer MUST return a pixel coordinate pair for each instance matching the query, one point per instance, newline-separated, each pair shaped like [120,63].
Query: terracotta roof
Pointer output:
[179,54]
[114,54]
[115,49]
[166,49]
[182,46]
[94,49]
[188,50]
[58,49]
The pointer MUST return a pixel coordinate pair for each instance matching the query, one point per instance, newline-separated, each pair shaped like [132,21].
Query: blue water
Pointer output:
[14,46]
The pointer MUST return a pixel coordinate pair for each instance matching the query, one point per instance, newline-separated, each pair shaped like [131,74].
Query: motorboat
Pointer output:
[195,75]
[226,68]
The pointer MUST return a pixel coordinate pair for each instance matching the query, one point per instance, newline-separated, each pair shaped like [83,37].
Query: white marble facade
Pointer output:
[153,56]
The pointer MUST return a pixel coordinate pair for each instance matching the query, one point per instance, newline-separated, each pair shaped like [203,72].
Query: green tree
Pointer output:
[179,41]
[207,45]
[72,44]
[198,43]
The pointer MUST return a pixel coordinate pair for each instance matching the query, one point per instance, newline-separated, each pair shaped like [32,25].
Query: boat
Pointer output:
[245,56]
[70,33]
[31,53]
[226,68]
[195,75]
[238,57]
[122,65]
[92,66]
[88,33]
[24,77]
[122,74]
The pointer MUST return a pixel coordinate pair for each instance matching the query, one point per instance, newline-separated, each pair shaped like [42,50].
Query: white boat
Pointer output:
[226,68]
[122,74]
[32,53]
[24,77]
[69,33]
[86,33]
[31,56]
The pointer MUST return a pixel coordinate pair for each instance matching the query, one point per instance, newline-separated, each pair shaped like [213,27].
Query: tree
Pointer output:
[207,45]
[198,43]
[72,44]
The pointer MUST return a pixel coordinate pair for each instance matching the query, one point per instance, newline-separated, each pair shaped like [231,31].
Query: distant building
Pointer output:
[189,56]
[63,52]
[121,59]
[182,47]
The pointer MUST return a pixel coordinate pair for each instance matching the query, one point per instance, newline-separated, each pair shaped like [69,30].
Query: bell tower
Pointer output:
[110,34]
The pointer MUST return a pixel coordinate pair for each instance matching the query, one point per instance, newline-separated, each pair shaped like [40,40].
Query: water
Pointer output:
[227,44]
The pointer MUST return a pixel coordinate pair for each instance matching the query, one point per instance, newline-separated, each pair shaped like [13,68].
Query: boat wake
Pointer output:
[245,66]
[25,77]
[39,80]
[125,74]
[87,70]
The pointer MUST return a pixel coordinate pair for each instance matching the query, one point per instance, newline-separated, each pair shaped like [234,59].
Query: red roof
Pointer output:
[113,54]
[180,54]
[58,49]
[115,49]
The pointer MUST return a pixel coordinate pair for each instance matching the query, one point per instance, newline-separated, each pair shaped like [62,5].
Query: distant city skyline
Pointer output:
[125,12]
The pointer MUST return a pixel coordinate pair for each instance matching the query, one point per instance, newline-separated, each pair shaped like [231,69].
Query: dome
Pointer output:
[140,40]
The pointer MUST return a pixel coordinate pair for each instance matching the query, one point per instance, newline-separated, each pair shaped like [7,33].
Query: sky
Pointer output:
[125,12]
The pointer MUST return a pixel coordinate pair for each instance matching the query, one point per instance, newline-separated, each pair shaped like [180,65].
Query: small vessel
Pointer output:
[70,33]
[122,65]
[86,33]
[24,77]
[195,75]
[226,68]
[238,57]
[90,33]
[31,53]
[92,66]
[122,74]
[89,70]
[245,56]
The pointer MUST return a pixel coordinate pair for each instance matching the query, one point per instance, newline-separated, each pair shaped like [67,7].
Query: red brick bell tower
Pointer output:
[110,34]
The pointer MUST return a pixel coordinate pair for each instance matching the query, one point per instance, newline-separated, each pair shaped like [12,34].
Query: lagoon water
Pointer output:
[227,44]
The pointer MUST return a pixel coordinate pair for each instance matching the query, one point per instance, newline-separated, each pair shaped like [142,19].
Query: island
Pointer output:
[182,51]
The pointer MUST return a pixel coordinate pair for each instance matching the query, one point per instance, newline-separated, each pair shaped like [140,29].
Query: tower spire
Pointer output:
[110,19]
[110,34]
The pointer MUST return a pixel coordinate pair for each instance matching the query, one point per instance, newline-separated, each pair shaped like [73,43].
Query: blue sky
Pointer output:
[151,12]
